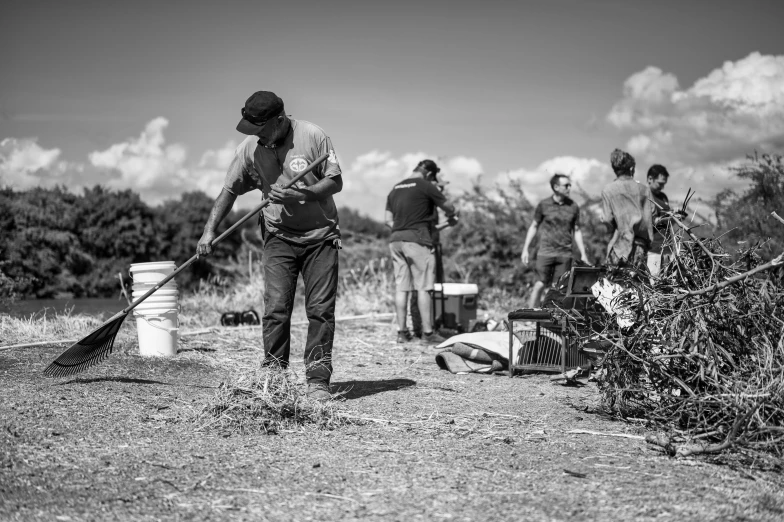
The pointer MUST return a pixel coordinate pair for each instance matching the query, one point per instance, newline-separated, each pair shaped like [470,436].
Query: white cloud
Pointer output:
[589,174]
[24,164]
[157,170]
[145,164]
[729,113]
[370,177]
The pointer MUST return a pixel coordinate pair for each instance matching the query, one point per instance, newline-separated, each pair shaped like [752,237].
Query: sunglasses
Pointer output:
[568,185]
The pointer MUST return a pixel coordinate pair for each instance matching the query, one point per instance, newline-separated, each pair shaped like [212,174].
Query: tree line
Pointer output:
[54,242]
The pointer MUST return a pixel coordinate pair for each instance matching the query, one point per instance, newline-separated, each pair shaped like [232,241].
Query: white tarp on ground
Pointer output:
[476,352]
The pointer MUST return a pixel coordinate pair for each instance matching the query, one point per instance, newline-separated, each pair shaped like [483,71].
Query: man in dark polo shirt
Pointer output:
[409,213]
[556,219]
[299,227]
[657,255]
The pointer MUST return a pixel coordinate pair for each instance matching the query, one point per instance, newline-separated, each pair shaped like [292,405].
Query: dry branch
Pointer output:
[704,363]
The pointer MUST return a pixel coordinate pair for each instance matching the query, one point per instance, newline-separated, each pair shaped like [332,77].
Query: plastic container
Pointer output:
[154,302]
[455,304]
[151,272]
[161,292]
[158,330]
[143,287]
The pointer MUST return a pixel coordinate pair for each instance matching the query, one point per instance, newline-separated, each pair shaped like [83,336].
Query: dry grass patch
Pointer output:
[265,400]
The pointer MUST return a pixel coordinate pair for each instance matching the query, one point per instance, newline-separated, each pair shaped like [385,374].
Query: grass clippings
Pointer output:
[265,400]
[119,442]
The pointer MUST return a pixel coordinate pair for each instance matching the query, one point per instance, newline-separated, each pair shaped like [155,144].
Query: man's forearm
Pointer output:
[322,189]
[220,209]
[578,239]
[448,208]
[529,236]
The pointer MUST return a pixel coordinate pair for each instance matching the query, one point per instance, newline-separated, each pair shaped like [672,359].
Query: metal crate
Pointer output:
[546,348]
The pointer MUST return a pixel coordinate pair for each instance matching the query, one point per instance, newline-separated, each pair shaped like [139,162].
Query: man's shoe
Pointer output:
[403,336]
[433,338]
[319,391]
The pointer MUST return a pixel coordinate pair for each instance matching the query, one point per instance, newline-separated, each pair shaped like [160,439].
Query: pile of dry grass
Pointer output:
[266,400]
[705,360]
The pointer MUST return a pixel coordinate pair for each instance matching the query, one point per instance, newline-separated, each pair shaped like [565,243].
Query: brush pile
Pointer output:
[704,361]
[265,400]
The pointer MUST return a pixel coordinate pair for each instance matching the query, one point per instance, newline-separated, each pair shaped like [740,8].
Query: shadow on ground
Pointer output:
[126,380]
[358,389]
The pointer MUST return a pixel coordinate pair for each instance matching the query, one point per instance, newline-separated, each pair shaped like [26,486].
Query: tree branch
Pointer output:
[718,286]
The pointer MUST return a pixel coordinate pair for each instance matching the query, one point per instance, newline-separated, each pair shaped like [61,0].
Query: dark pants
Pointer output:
[549,268]
[283,262]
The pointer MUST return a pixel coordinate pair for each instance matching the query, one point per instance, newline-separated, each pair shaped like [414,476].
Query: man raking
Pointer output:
[299,229]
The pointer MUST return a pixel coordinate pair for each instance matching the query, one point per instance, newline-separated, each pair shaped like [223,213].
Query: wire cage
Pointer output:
[547,346]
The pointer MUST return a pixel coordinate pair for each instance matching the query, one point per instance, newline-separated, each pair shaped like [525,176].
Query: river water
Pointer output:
[96,306]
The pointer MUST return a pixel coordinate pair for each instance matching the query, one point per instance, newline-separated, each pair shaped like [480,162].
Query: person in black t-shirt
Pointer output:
[435,234]
[409,213]
[658,254]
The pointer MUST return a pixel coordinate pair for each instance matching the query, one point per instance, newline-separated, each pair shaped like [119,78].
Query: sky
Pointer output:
[146,95]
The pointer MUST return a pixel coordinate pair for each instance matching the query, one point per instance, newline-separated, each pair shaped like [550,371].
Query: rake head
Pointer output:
[89,351]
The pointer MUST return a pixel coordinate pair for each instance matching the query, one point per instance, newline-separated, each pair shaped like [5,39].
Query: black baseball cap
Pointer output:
[259,108]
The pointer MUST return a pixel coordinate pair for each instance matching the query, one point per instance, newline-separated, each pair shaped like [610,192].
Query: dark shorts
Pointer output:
[550,269]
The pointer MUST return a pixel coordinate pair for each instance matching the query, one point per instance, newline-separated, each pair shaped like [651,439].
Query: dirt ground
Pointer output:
[118,442]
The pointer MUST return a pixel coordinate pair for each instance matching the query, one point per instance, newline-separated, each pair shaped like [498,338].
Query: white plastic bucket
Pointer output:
[161,292]
[143,287]
[158,330]
[151,272]
[153,303]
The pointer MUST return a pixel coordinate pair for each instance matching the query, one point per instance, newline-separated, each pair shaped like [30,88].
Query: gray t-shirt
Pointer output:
[305,222]
[556,223]
[626,205]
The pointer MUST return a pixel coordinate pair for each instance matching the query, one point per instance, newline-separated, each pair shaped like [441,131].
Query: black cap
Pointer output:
[260,107]
[428,166]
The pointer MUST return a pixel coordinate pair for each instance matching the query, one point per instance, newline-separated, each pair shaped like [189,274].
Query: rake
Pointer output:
[98,345]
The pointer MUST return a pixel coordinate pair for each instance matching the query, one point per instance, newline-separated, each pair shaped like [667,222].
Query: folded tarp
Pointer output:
[480,352]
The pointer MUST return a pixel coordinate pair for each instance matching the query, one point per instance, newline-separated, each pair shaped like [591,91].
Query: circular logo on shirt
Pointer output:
[298,164]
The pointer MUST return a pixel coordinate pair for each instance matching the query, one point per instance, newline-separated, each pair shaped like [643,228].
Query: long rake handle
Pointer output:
[223,236]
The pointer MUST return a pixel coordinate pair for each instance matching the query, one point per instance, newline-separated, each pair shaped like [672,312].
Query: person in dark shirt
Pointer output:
[435,234]
[299,227]
[557,219]
[658,254]
[410,208]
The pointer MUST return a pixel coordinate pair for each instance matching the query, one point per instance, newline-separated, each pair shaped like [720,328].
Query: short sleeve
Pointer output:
[238,179]
[538,214]
[434,194]
[607,213]
[332,167]
[576,222]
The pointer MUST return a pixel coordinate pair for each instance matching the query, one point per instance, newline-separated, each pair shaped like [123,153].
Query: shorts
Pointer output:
[550,269]
[414,266]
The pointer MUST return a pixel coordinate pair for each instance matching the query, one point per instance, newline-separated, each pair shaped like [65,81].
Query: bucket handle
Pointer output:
[167,330]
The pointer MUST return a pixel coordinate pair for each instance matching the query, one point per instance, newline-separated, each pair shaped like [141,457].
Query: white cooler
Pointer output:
[455,304]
